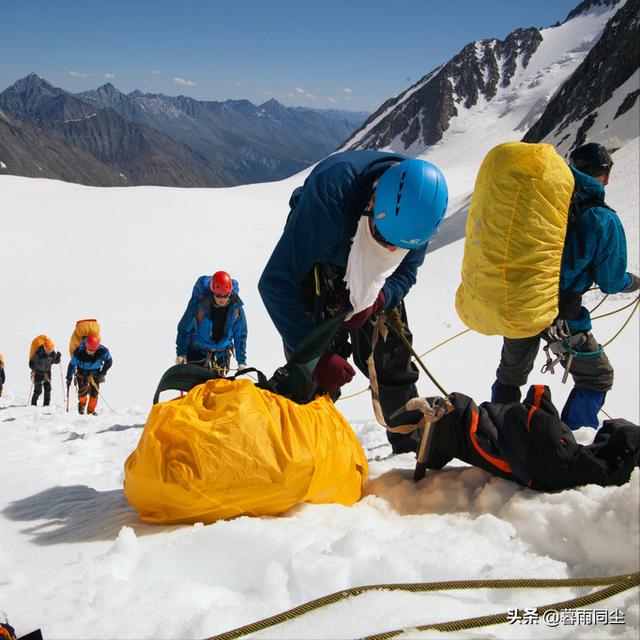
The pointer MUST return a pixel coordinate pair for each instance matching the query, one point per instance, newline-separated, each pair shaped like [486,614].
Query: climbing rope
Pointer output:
[100,393]
[440,344]
[635,308]
[395,321]
[613,586]
[599,303]
[634,303]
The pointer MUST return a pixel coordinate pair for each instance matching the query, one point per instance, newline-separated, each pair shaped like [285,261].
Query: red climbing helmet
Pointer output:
[92,343]
[221,283]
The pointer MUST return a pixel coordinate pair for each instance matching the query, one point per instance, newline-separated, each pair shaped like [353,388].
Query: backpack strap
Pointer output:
[183,377]
[576,210]
[294,379]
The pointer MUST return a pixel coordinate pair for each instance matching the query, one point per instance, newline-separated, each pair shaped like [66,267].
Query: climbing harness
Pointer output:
[613,586]
[559,342]
[210,361]
[557,337]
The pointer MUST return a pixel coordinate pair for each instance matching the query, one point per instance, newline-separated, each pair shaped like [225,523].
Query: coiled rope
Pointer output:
[613,586]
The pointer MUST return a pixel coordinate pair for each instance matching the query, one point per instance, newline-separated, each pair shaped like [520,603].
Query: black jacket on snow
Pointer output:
[528,443]
[42,361]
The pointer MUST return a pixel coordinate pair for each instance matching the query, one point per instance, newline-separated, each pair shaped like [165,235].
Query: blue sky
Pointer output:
[349,54]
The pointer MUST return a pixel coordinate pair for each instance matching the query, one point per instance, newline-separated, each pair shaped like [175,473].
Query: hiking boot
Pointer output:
[80,408]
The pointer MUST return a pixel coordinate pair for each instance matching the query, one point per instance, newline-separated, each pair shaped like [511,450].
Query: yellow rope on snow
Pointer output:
[613,585]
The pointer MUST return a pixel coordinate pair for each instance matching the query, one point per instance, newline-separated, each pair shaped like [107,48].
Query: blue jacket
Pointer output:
[605,249]
[323,220]
[89,363]
[195,329]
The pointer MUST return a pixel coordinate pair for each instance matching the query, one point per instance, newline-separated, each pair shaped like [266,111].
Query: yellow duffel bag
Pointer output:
[229,448]
[514,241]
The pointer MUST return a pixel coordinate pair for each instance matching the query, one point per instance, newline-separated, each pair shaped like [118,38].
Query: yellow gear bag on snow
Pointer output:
[229,448]
[514,240]
[36,343]
[84,328]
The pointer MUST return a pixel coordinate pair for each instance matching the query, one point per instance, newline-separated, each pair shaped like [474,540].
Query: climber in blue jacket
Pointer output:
[595,252]
[213,325]
[355,237]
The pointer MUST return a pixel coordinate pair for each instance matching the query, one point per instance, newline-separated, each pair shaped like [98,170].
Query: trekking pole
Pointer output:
[29,396]
[61,377]
[68,387]
[395,322]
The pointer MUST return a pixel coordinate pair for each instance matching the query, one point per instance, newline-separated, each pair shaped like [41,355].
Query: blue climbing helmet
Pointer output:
[410,202]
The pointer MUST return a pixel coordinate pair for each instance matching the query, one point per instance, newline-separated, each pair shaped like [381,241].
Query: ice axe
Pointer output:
[432,410]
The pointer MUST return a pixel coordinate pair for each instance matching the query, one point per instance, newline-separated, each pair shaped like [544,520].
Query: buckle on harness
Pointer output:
[557,336]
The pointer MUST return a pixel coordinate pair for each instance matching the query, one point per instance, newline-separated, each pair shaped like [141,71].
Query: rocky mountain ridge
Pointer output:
[171,141]
[514,75]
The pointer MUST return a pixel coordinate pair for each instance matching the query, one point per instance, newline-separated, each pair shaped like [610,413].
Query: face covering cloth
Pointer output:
[368,266]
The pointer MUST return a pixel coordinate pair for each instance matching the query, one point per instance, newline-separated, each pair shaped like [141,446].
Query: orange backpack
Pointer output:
[84,328]
[36,343]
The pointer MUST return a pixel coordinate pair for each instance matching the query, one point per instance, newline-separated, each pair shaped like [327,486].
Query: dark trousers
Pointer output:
[519,354]
[396,374]
[41,380]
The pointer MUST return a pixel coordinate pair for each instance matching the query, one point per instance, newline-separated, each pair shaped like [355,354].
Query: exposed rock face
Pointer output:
[26,151]
[609,64]
[422,114]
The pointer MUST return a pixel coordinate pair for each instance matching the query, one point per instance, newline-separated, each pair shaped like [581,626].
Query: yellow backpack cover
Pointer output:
[514,240]
[84,328]
[36,343]
[229,449]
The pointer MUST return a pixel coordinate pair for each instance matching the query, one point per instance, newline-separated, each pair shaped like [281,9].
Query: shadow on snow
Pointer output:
[77,513]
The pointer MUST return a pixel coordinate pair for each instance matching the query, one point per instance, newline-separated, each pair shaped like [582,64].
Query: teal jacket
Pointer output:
[595,249]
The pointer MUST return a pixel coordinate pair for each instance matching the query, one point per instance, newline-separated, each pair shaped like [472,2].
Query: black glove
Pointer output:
[635,284]
[56,357]
[68,382]
[100,378]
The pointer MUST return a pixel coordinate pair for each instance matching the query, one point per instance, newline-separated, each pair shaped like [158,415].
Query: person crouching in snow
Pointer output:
[213,325]
[354,240]
[90,363]
[40,365]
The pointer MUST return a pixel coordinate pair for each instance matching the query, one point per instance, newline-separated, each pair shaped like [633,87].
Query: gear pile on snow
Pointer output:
[229,448]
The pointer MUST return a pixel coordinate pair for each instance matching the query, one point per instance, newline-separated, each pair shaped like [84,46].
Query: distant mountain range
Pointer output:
[105,137]
[566,84]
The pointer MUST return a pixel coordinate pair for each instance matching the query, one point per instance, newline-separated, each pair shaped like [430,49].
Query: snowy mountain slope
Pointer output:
[493,91]
[76,561]
[600,100]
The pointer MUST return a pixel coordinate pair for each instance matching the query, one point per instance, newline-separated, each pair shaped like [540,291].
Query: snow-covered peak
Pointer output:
[490,92]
